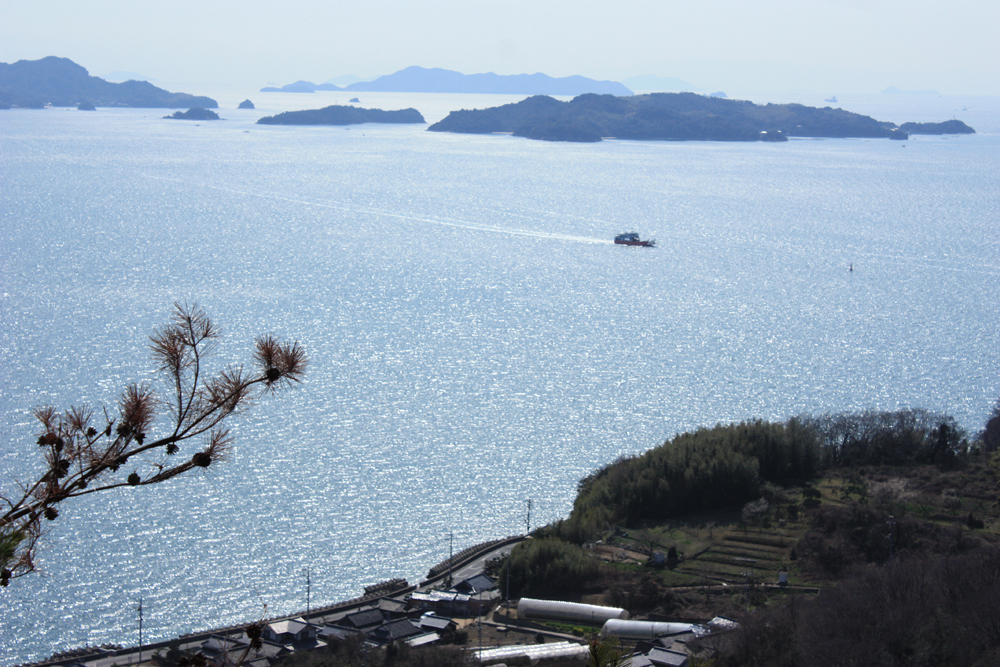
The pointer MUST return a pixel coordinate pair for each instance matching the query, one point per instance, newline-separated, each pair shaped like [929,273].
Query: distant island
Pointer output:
[947,127]
[196,113]
[246,104]
[60,82]
[423,80]
[342,115]
[664,117]
[301,87]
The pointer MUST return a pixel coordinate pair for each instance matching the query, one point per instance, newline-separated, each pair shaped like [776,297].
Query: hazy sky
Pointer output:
[826,46]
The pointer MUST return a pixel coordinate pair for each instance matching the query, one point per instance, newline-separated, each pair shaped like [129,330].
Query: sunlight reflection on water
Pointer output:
[475,338]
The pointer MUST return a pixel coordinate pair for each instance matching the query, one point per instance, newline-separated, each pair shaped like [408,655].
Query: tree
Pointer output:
[754,511]
[990,435]
[606,652]
[87,452]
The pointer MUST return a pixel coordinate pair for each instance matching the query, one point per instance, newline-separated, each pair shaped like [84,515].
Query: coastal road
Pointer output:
[471,568]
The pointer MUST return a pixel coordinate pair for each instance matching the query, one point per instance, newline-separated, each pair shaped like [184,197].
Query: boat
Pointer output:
[631,238]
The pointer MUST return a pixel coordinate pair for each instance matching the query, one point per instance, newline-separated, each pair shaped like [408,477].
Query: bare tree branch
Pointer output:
[81,459]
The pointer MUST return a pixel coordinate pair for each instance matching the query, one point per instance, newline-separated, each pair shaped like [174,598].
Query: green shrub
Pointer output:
[544,567]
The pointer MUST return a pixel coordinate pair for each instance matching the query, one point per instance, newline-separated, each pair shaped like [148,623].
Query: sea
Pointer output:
[477,343]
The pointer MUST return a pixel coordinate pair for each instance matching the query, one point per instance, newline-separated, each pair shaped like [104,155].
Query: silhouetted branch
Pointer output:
[82,458]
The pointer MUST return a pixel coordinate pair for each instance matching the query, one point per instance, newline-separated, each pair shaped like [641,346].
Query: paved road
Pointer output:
[473,567]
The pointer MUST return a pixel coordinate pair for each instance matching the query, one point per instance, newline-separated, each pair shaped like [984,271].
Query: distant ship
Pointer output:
[631,238]
[832,99]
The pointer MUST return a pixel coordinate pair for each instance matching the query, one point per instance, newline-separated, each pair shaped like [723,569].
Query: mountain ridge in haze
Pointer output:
[62,83]
[415,79]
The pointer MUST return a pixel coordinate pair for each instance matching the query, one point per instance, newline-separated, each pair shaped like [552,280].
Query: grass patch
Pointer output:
[573,629]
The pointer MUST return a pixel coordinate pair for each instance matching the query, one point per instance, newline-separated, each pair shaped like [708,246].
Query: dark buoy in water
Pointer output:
[851,268]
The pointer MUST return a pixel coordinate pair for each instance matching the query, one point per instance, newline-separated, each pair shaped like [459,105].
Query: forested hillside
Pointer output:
[886,526]
[728,465]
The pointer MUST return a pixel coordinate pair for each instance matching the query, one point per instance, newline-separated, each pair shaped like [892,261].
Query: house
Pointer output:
[659,657]
[333,633]
[454,603]
[296,634]
[400,629]
[365,620]
[382,626]
[475,585]
[228,650]
[291,631]
[431,622]
[393,607]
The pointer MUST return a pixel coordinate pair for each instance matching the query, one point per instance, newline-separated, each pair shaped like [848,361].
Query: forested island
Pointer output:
[663,116]
[947,127]
[196,113]
[60,82]
[342,115]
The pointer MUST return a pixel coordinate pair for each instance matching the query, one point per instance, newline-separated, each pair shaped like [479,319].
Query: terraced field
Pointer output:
[735,552]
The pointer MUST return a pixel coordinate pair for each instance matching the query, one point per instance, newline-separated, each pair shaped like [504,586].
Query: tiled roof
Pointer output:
[364,619]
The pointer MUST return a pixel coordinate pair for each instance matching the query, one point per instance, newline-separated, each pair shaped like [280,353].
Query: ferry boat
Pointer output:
[631,238]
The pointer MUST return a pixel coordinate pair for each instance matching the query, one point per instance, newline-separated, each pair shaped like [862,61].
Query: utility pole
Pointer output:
[509,553]
[479,622]
[451,548]
[527,522]
[308,583]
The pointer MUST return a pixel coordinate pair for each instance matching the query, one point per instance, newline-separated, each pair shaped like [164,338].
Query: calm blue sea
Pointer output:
[476,339]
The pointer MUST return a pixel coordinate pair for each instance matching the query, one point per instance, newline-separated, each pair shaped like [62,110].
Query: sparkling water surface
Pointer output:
[475,337]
